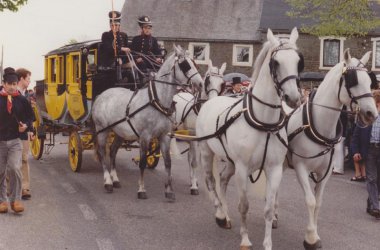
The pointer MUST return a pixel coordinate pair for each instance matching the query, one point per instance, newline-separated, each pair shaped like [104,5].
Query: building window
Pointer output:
[376,53]
[331,52]
[242,55]
[200,52]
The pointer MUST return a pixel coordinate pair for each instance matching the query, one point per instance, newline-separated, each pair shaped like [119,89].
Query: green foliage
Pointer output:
[335,17]
[12,5]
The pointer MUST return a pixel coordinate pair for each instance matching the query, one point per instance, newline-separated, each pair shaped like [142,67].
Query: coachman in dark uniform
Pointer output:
[108,56]
[112,54]
[147,45]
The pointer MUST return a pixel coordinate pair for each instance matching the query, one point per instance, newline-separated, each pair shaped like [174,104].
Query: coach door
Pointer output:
[55,98]
[75,100]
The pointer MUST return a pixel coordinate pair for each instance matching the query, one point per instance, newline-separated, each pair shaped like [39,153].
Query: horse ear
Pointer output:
[271,38]
[177,50]
[347,56]
[223,68]
[364,60]
[293,35]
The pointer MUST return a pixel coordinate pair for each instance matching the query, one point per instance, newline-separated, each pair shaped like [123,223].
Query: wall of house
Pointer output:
[220,52]
[308,45]
[310,48]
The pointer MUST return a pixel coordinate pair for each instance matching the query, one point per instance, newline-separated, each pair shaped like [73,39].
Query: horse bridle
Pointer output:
[185,67]
[273,70]
[207,83]
[350,80]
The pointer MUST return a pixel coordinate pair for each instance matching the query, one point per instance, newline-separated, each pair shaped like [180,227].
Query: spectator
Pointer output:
[15,119]
[366,148]
[23,84]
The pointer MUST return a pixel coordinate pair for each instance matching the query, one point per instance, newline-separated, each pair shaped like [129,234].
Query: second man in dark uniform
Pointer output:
[147,53]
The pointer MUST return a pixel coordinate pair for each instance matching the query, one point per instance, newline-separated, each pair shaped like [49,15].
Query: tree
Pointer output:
[12,5]
[335,17]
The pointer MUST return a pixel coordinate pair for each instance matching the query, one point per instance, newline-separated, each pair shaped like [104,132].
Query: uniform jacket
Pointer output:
[107,52]
[360,140]
[9,123]
[145,44]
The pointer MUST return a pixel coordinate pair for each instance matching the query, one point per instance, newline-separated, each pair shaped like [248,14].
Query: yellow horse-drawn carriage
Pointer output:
[64,100]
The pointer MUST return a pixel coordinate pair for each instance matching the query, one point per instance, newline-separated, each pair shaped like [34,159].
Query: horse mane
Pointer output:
[264,52]
[260,60]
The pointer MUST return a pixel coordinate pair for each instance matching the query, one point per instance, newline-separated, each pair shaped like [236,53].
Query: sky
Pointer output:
[44,25]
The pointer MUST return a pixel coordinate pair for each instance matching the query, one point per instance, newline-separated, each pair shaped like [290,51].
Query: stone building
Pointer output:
[233,31]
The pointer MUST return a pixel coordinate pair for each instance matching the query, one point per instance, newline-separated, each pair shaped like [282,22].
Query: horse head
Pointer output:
[357,83]
[285,64]
[187,68]
[214,83]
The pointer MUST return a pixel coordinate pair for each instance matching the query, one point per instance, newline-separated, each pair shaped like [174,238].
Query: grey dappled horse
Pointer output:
[144,115]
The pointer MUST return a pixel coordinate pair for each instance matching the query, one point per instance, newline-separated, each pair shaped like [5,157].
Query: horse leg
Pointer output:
[207,162]
[225,177]
[319,190]
[165,150]
[311,236]
[241,183]
[274,176]
[276,202]
[100,150]
[144,145]
[193,165]
[275,218]
[113,151]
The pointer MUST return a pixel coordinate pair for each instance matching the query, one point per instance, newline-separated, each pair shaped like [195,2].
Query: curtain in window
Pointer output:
[331,52]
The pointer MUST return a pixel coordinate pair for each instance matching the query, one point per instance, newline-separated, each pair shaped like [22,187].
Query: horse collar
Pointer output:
[310,130]
[255,123]
[155,102]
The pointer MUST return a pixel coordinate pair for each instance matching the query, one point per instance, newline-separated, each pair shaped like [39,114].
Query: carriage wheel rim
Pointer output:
[74,152]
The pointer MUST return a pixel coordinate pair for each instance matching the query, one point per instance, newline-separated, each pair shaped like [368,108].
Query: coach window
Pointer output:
[331,51]
[376,54]
[53,70]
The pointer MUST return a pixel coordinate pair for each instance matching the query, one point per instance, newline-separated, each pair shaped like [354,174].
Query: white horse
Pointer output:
[242,141]
[186,112]
[142,115]
[311,149]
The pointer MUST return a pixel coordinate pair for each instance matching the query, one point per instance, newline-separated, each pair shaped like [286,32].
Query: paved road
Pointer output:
[72,211]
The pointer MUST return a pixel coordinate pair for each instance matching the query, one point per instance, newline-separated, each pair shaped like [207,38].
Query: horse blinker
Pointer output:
[184,66]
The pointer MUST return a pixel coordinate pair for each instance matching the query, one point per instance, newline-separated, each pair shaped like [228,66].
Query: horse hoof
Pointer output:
[170,196]
[194,192]
[275,224]
[314,246]
[116,184]
[142,195]
[109,188]
[223,223]
[245,247]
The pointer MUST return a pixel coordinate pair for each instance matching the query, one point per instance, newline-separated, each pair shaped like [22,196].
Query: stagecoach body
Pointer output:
[65,97]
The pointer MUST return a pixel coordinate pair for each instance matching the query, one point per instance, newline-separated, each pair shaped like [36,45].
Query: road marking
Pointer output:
[68,187]
[104,244]
[88,213]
